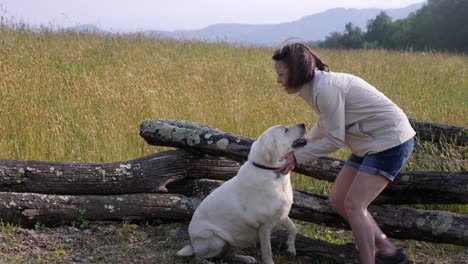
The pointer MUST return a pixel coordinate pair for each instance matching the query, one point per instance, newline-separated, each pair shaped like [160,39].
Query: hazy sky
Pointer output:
[174,14]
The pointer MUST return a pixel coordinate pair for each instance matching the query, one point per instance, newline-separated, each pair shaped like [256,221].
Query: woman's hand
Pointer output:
[288,165]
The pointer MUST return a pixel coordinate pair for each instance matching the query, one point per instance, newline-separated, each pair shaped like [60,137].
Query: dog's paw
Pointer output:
[244,259]
[291,251]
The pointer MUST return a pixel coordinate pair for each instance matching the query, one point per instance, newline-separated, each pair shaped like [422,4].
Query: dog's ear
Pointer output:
[263,150]
[268,151]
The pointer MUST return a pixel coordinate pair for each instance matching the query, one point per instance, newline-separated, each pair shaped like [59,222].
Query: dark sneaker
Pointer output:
[398,258]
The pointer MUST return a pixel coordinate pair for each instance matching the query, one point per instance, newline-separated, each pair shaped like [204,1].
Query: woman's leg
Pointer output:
[337,196]
[363,190]
[340,188]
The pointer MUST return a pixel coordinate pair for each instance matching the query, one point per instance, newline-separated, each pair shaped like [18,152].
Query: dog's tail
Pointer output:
[186,251]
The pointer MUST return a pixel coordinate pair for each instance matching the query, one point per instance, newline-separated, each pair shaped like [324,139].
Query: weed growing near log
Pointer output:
[81,98]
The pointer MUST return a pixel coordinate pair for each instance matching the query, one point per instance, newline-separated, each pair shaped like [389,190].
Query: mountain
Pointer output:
[87,28]
[310,28]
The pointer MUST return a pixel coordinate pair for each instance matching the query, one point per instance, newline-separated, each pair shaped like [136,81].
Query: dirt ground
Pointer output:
[84,242]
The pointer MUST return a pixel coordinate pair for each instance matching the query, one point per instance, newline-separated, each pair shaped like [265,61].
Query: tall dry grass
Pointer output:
[81,97]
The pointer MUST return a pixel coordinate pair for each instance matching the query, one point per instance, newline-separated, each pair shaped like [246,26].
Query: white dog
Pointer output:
[246,209]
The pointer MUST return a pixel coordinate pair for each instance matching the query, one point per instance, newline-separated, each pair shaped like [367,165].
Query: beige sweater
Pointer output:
[351,113]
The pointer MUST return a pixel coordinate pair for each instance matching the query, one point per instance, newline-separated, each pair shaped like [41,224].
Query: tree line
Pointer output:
[440,25]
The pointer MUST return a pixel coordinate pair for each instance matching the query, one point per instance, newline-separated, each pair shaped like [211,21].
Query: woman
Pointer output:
[351,113]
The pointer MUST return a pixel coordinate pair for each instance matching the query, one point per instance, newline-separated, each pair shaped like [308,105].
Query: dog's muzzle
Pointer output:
[299,143]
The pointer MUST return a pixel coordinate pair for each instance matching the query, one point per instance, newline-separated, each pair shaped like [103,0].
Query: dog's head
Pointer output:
[276,141]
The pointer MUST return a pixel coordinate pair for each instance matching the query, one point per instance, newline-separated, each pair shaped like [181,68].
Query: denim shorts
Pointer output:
[386,163]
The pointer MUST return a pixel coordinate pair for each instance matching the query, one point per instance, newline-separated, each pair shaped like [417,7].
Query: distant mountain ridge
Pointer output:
[311,28]
[87,28]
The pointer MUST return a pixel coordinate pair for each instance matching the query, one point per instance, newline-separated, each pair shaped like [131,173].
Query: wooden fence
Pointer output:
[170,185]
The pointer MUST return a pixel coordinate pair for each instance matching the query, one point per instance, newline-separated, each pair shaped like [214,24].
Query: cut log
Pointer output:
[193,136]
[309,250]
[148,174]
[403,223]
[152,173]
[434,132]
[408,188]
[29,208]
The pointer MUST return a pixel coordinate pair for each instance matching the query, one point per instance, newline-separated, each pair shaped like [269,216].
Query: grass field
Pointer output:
[81,98]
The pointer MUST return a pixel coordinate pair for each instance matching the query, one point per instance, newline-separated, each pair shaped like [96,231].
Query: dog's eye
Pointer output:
[285,130]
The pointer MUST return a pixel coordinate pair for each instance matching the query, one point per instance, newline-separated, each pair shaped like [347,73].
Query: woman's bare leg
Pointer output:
[361,193]
[338,194]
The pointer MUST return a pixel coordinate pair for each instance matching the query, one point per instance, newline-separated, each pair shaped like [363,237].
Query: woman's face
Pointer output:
[282,71]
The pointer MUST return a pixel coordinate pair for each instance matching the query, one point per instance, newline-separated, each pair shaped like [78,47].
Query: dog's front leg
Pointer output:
[264,236]
[291,228]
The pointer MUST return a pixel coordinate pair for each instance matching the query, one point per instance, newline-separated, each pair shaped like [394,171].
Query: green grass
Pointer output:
[81,98]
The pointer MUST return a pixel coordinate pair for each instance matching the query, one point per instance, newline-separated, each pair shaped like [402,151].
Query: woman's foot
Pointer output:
[396,258]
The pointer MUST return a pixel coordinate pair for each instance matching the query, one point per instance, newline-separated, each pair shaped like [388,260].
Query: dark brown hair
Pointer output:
[300,61]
